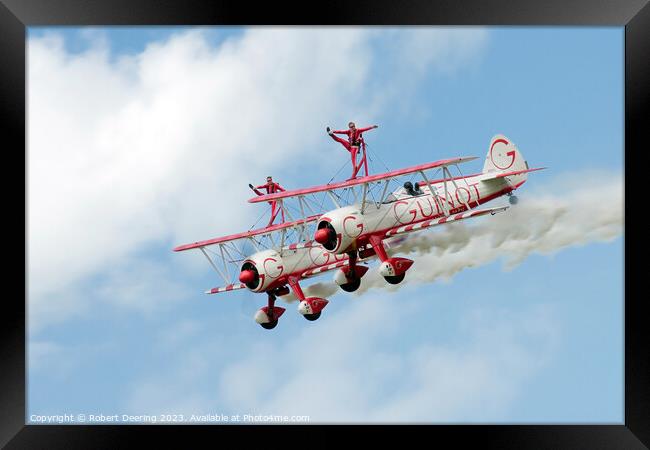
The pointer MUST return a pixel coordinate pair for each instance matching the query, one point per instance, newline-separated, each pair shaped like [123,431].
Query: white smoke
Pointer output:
[572,212]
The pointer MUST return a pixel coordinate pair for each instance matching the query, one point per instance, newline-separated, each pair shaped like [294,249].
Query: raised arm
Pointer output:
[255,189]
[361,130]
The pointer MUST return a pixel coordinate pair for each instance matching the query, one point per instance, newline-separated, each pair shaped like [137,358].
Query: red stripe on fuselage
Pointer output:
[461,209]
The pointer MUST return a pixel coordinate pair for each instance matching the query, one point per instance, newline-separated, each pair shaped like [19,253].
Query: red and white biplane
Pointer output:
[368,214]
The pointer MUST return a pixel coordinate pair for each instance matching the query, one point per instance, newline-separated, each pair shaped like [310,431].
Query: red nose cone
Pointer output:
[246,276]
[322,235]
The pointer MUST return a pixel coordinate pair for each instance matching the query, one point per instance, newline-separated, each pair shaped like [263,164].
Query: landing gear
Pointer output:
[309,307]
[392,269]
[312,317]
[349,278]
[513,199]
[268,316]
[269,325]
[352,285]
[395,279]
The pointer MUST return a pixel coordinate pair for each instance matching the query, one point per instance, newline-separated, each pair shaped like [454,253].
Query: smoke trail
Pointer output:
[572,212]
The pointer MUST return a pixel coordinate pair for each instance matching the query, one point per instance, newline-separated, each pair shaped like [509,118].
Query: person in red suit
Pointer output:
[271,188]
[353,143]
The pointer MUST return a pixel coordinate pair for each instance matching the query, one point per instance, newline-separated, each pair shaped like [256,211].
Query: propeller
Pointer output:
[326,236]
[323,235]
[247,276]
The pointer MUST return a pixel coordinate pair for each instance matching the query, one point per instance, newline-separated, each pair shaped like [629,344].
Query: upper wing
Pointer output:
[455,218]
[360,180]
[247,234]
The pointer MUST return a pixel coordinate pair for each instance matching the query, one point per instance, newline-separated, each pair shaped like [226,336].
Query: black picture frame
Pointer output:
[634,15]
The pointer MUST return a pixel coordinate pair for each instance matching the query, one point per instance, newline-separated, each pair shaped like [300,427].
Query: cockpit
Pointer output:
[407,191]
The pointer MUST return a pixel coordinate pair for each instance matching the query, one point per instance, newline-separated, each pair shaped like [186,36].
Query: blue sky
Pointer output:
[119,324]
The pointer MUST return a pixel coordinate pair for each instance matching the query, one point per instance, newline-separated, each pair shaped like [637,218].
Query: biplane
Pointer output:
[370,213]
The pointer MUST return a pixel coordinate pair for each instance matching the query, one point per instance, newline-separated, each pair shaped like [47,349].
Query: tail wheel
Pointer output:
[311,317]
[269,325]
[395,279]
[352,285]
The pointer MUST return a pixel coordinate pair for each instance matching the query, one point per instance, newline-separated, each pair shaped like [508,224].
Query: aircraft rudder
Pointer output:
[503,156]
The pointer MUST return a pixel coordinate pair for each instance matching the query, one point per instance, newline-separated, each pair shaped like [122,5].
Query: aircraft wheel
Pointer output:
[269,325]
[513,199]
[312,317]
[352,285]
[396,279]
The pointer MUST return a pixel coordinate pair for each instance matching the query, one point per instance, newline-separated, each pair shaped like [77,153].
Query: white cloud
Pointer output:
[157,148]
[360,368]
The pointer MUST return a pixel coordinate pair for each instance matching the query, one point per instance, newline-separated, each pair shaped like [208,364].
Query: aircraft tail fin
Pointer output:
[503,157]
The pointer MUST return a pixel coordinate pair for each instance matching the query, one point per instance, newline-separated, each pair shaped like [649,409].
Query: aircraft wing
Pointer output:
[360,180]
[227,288]
[453,218]
[247,234]
[325,268]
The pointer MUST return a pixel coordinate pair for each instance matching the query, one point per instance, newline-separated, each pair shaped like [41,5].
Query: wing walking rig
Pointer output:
[370,215]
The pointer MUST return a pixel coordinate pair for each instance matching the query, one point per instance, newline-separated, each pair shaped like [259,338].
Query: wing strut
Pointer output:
[214,266]
[442,207]
[303,234]
[223,259]
[283,233]
[254,242]
[302,206]
[383,194]
[469,189]
[446,170]
[333,197]
[354,193]
[363,197]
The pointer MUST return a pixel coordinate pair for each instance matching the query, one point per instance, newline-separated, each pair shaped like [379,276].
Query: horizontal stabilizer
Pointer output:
[495,175]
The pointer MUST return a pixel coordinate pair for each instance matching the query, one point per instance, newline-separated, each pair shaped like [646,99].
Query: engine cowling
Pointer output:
[261,270]
[338,230]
